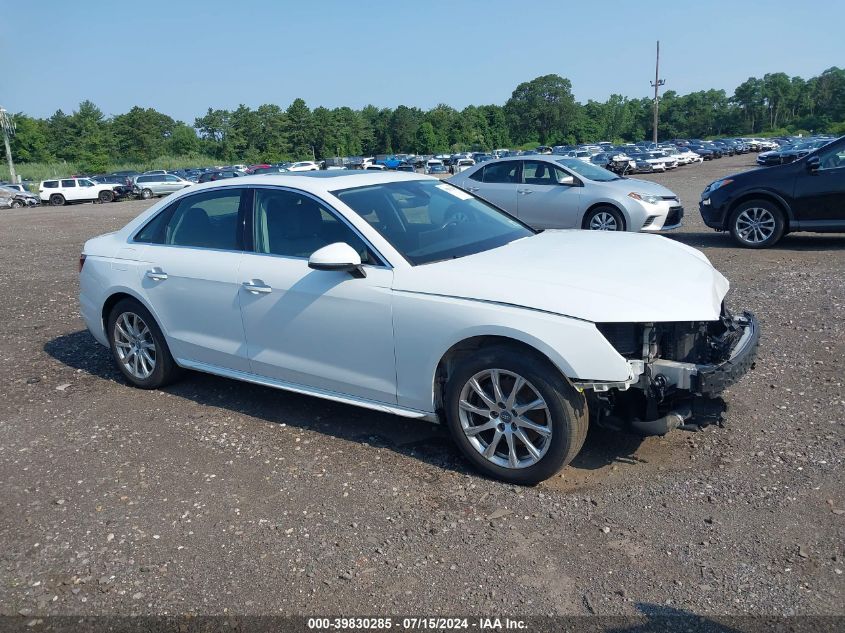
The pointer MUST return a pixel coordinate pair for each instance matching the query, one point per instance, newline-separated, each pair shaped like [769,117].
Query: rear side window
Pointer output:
[143,179]
[506,172]
[478,175]
[204,220]
[51,184]
[68,183]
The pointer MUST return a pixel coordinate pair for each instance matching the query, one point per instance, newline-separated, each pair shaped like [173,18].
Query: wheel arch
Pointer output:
[626,217]
[472,344]
[118,294]
[760,194]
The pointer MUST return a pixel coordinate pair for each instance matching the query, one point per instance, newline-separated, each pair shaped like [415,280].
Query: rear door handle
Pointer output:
[524,192]
[257,287]
[472,189]
[156,274]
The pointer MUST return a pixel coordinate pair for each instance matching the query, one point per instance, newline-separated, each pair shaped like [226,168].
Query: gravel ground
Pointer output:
[214,496]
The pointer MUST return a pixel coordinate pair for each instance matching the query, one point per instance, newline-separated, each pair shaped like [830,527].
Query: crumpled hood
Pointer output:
[591,275]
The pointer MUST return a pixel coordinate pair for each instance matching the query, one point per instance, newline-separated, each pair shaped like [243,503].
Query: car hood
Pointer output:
[591,275]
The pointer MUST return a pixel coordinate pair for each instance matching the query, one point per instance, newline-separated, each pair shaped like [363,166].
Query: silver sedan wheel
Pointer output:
[505,418]
[603,221]
[755,225]
[134,344]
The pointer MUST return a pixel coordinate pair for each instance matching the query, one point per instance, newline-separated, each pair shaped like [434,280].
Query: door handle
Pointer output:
[157,274]
[472,189]
[257,287]
[524,192]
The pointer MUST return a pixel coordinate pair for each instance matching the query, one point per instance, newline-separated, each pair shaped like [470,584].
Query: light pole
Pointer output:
[8,129]
[657,83]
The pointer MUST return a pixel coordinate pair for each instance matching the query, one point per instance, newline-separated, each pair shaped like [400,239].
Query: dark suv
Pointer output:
[758,207]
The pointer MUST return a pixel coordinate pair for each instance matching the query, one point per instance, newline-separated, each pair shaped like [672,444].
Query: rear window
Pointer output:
[51,184]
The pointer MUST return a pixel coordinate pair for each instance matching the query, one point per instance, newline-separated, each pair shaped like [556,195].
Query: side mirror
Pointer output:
[569,181]
[813,163]
[339,256]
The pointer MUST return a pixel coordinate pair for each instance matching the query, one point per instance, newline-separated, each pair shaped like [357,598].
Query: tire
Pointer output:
[757,224]
[138,331]
[563,416]
[604,216]
[57,200]
[16,204]
[106,196]
[146,194]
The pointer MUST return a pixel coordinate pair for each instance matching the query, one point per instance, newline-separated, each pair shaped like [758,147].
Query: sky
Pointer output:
[182,57]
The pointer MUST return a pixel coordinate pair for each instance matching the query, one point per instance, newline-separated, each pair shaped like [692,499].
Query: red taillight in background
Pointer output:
[81,261]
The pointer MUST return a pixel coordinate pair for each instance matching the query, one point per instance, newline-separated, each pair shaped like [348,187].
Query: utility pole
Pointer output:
[656,84]
[8,127]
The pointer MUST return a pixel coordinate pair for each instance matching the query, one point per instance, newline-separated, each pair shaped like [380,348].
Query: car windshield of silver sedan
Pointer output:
[429,221]
[588,170]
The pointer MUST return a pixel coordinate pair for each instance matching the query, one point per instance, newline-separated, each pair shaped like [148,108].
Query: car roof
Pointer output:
[319,182]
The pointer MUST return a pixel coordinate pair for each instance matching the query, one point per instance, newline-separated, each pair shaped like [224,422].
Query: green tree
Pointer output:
[299,130]
[543,107]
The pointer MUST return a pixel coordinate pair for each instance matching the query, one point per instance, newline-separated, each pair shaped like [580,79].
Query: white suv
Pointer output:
[59,192]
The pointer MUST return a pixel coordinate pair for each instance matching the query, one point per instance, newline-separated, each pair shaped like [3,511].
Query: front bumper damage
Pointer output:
[678,375]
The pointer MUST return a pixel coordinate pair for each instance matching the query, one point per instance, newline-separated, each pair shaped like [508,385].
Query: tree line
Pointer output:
[540,111]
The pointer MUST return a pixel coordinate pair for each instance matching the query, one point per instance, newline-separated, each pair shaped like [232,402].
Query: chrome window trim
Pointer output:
[323,203]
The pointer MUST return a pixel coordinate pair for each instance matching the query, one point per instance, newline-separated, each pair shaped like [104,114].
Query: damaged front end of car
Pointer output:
[678,372]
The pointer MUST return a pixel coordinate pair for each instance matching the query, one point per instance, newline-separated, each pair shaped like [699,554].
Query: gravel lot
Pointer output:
[215,496]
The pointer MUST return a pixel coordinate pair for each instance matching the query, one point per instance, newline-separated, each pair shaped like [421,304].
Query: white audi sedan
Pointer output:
[407,295]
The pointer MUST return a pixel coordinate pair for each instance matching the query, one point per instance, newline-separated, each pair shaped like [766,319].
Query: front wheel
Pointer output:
[138,346]
[146,194]
[757,224]
[106,196]
[17,204]
[514,416]
[604,219]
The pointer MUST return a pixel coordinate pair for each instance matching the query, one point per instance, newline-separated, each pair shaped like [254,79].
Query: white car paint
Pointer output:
[304,165]
[376,341]
[73,189]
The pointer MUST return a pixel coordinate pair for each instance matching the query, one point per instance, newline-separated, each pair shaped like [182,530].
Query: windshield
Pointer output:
[428,221]
[588,170]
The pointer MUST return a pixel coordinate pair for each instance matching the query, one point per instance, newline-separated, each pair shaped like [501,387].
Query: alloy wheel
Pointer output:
[603,221]
[134,344]
[505,418]
[755,225]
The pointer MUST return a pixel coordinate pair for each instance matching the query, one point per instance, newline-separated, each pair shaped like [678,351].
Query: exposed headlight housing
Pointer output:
[645,197]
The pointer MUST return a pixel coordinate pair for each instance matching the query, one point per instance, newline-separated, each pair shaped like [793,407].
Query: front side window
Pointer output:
[204,220]
[295,225]
[427,221]
[86,183]
[833,158]
[535,172]
[66,184]
[478,175]
[504,172]
[587,170]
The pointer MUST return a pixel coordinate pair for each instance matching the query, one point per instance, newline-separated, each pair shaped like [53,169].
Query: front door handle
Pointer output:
[257,287]
[472,189]
[157,274]
[524,192]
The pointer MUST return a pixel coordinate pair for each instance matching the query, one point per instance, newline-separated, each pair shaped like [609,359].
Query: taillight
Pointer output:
[81,261]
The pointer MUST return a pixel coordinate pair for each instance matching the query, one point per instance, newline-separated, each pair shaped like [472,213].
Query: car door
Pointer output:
[191,276]
[69,190]
[324,330]
[820,192]
[543,202]
[86,189]
[497,183]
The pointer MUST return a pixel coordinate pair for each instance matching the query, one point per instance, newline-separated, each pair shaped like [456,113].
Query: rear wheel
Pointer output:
[138,346]
[57,200]
[604,219]
[106,196]
[757,224]
[514,416]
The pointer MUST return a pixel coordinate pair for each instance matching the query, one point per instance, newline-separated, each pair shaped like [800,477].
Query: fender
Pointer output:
[750,193]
